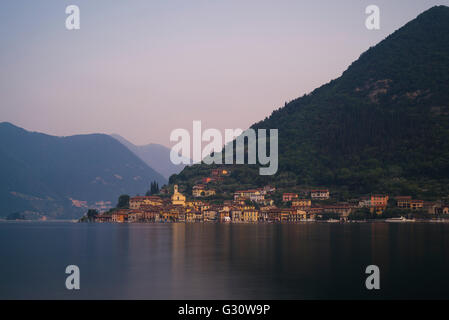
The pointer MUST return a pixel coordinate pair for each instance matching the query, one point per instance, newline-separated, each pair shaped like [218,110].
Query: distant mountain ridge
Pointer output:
[383,126]
[155,155]
[61,176]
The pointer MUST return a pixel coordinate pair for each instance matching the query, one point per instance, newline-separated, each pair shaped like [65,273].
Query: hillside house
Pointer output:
[319,194]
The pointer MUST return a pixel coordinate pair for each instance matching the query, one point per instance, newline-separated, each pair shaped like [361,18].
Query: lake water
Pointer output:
[223,261]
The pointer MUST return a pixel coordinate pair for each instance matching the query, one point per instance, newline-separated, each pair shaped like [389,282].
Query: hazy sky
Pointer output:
[143,68]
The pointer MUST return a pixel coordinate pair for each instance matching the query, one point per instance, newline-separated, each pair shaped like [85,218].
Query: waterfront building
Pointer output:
[416,204]
[403,202]
[365,202]
[103,218]
[432,207]
[236,215]
[376,203]
[294,215]
[379,200]
[120,216]
[342,209]
[224,216]
[250,215]
[210,215]
[178,198]
[274,215]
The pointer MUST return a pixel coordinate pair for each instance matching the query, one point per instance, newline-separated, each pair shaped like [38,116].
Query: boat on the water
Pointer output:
[400,219]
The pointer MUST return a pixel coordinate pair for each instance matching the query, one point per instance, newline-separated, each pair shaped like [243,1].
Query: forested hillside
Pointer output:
[383,126]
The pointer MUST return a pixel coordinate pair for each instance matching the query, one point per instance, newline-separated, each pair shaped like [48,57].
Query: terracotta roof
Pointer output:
[403,198]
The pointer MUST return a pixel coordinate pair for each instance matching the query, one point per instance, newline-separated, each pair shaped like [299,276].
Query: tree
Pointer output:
[154,189]
[91,213]
[172,179]
[15,216]
[360,214]
[123,202]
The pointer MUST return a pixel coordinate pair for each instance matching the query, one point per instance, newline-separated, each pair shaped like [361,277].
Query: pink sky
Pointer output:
[148,67]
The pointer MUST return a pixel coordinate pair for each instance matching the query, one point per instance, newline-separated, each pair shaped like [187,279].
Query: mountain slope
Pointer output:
[155,155]
[383,126]
[42,173]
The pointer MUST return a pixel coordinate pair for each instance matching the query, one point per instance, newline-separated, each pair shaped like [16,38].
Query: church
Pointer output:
[178,198]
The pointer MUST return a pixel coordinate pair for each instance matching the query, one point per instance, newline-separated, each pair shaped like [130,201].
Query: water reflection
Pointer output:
[224,261]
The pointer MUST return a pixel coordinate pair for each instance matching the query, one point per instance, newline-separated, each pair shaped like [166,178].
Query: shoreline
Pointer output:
[284,222]
[252,223]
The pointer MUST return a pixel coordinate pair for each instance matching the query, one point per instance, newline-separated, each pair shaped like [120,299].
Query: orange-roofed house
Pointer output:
[379,200]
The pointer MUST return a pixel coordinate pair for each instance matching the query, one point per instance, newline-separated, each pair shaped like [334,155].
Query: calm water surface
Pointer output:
[223,261]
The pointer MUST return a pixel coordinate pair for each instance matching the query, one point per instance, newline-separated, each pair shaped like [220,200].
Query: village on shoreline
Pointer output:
[257,206]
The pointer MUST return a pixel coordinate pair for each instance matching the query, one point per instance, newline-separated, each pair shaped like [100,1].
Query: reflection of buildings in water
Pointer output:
[121,248]
[383,238]
[320,260]
[200,259]
[148,274]
[393,243]
[317,260]
[223,258]
[411,259]
[179,249]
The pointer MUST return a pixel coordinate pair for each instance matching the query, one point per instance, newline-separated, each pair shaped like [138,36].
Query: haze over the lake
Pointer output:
[143,70]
